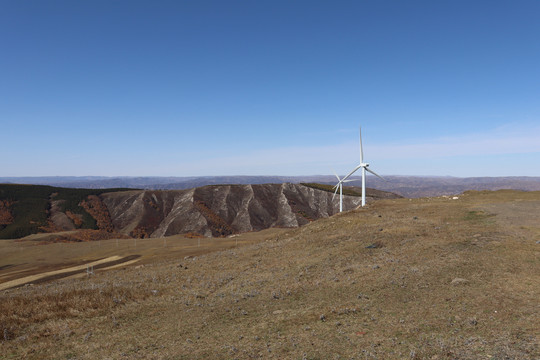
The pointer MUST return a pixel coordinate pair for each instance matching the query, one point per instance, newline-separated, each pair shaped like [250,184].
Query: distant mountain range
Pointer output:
[407,186]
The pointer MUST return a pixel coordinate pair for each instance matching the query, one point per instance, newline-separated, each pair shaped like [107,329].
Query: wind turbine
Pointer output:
[339,186]
[364,167]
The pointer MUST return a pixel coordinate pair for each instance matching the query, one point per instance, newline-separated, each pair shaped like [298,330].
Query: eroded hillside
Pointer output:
[219,210]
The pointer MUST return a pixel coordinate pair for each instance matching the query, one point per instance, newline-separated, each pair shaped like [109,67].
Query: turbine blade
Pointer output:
[361,148]
[338,179]
[337,187]
[352,172]
[374,173]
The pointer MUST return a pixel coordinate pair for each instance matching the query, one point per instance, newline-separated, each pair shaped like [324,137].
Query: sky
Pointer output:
[269,87]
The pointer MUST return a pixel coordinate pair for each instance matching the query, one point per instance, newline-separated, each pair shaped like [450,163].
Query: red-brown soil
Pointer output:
[6,217]
[97,209]
[85,235]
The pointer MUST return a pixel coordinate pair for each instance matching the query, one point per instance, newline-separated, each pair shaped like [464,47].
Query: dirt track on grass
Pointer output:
[57,274]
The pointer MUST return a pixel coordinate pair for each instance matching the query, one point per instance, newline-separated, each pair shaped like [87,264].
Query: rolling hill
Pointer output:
[29,209]
[429,278]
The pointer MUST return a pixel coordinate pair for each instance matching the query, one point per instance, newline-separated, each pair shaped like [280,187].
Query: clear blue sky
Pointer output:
[184,88]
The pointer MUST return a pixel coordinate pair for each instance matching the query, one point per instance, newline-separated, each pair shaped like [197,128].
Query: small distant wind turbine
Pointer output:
[339,186]
[364,167]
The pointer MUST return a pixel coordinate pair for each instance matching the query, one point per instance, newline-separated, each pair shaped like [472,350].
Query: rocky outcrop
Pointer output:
[219,210]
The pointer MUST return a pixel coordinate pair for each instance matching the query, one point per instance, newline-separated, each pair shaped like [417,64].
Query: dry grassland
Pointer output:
[401,279]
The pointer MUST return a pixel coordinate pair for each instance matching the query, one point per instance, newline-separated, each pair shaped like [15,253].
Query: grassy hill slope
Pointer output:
[400,279]
[28,206]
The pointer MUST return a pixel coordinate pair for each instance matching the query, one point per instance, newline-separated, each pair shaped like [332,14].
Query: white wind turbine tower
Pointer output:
[364,167]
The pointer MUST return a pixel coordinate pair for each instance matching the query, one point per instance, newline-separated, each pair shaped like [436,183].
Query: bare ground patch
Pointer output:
[61,273]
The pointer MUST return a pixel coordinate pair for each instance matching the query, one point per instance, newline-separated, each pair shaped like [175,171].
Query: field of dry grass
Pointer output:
[401,279]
